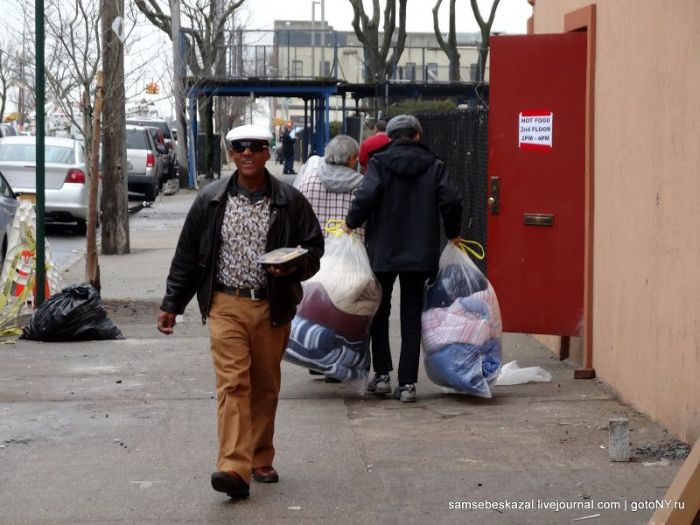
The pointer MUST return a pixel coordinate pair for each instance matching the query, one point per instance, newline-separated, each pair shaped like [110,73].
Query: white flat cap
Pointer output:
[249,132]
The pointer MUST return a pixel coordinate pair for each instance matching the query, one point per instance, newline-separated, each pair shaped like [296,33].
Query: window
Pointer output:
[325,68]
[58,154]
[5,188]
[137,139]
[297,68]
[410,71]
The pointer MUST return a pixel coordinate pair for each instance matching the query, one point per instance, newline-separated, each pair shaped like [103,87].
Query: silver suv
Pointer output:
[170,143]
[144,164]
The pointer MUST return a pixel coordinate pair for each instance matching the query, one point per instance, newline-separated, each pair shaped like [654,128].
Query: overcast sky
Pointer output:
[511,15]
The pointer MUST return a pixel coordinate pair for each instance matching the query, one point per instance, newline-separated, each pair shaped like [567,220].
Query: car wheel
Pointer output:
[151,192]
[81,227]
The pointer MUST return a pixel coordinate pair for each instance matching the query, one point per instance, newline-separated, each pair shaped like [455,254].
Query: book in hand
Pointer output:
[281,257]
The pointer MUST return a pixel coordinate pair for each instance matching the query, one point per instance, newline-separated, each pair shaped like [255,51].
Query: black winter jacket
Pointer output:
[402,196]
[292,223]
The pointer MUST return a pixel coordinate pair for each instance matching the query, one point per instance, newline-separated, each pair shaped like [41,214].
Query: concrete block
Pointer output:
[619,447]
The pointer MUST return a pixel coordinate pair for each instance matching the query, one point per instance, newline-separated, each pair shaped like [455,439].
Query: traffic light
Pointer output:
[152,88]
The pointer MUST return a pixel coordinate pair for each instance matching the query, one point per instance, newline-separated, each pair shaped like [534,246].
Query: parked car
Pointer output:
[163,152]
[170,143]
[8,207]
[8,130]
[144,164]
[65,190]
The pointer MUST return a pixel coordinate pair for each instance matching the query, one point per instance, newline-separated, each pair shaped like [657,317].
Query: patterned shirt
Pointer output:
[243,240]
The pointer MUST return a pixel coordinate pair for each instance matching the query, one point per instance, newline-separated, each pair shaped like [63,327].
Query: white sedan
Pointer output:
[65,188]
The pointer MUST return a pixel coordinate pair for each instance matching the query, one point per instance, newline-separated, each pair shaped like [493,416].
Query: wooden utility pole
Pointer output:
[92,265]
[115,212]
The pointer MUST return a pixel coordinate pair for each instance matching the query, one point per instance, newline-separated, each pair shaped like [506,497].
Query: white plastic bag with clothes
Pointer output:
[461,324]
[347,276]
[330,332]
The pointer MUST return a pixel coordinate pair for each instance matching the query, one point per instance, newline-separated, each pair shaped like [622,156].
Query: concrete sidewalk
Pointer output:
[124,431]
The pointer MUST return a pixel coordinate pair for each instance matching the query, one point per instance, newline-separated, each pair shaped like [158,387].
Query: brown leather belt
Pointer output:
[256,294]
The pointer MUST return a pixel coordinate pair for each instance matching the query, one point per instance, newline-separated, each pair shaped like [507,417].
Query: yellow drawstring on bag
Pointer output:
[335,227]
[466,246]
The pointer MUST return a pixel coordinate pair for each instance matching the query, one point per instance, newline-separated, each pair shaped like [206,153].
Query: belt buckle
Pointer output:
[252,295]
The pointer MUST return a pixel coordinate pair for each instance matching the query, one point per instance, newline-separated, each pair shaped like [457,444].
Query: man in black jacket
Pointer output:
[402,197]
[288,149]
[232,222]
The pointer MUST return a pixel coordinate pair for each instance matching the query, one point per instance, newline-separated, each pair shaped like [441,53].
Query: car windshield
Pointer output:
[27,153]
[136,139]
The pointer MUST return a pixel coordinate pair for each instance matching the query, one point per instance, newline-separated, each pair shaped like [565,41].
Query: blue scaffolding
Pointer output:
[315,94]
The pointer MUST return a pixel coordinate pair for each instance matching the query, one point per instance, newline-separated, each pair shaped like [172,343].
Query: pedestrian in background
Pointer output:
[288,149]
[402,197]
[330,183]
[232,222]
[373,143]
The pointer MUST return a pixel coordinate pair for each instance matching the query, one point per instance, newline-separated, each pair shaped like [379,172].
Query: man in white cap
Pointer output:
[232,222]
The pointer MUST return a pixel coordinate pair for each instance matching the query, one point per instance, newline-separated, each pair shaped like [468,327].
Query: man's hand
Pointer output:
[347,229]
[456,240]
[166,322]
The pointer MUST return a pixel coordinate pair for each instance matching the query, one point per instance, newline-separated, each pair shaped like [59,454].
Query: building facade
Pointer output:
[645,170]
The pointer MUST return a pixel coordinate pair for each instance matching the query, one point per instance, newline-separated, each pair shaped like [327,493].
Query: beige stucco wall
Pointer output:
[646,293]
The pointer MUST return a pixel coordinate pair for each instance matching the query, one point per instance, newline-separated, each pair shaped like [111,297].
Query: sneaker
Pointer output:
[379,384]
[406,393]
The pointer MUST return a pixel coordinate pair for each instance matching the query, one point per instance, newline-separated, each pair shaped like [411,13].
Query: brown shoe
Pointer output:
[231,483]
[265,475]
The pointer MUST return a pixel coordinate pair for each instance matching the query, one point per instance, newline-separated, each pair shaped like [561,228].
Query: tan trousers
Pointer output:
[247,351]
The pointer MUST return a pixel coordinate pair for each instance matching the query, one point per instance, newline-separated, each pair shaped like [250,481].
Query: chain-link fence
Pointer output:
[459,137]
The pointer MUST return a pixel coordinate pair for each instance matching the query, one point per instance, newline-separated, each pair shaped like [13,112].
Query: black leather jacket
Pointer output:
[292,223]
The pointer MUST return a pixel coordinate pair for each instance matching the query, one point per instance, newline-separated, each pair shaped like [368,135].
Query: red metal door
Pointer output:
[536,181]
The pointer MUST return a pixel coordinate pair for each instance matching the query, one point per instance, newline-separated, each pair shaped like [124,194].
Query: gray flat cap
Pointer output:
[403,122]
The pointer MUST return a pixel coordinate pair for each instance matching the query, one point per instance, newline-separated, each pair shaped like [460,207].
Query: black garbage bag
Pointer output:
[74,314]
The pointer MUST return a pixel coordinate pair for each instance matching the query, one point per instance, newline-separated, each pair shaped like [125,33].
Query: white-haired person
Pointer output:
[249,308]
[329,183]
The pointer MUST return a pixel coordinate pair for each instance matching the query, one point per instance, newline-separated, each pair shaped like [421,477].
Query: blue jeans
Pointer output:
[288,164]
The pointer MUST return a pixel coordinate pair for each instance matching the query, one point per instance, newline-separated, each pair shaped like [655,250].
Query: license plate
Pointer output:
[29,197]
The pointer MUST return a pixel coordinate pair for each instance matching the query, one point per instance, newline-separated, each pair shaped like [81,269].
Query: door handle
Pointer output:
[495,198]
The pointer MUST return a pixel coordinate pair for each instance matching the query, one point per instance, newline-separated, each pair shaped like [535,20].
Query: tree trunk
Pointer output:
[206,131]
[92,266]
[481,64]
[115,216]
[183,170]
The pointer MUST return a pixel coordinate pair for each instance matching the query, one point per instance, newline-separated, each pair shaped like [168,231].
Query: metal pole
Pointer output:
[313,38]
[323,39]
[40,157]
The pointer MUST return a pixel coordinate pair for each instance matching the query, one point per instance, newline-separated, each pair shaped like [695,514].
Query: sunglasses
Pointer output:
[255,146]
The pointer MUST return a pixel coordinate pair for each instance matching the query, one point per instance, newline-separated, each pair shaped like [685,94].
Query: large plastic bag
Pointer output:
[347,276]
[461,325]
[74,314]
[330,331]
